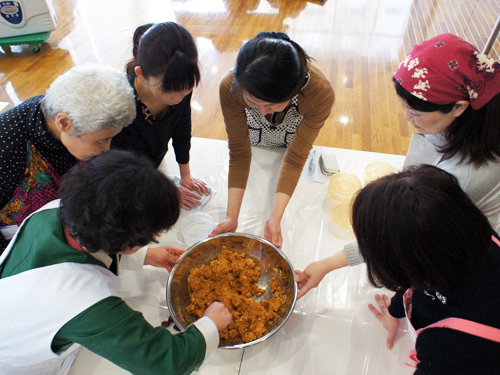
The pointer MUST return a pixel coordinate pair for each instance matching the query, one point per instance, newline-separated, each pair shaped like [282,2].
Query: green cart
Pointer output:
[34,41]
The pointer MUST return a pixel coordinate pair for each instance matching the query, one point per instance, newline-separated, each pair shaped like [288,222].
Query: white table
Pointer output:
[331,330]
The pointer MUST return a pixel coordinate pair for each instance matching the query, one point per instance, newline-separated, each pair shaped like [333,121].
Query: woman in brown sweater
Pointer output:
[273,97]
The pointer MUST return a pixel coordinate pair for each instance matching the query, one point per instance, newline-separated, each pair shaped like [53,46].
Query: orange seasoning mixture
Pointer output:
[232,279]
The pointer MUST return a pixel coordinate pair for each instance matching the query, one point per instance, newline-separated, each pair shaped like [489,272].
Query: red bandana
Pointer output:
[446,69]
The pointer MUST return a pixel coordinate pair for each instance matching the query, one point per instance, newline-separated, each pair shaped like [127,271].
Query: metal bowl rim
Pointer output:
[252,236]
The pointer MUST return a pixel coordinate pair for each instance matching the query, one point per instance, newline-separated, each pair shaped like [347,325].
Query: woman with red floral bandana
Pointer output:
[450,93]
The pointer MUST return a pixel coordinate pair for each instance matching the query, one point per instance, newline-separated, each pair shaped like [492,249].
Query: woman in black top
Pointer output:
[422,237]
[164,70]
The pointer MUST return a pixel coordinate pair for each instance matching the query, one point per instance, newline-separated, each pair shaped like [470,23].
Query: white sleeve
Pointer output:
[134,261]
[209,330]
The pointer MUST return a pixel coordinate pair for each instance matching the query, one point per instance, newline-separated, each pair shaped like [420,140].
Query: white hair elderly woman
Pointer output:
[46,135]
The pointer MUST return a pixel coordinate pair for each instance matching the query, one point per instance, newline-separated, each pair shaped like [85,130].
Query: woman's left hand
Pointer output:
[272,231]
[390,323]
[163,257]
[193,183]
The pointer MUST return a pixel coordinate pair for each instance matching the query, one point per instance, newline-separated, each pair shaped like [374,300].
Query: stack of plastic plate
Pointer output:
[376,170]
[343,186]
[342,216]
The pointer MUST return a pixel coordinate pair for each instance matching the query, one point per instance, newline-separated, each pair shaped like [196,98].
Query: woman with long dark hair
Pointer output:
[422,237]
[164,70]
[275,97]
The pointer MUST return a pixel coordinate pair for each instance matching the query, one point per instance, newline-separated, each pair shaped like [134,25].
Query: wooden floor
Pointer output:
[357,43]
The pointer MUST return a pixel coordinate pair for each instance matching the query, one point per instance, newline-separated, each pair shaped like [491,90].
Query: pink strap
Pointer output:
[413,357]
[463,325]
[495,240]
[467,326]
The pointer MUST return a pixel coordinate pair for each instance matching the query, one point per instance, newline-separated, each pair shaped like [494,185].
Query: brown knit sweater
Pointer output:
[315,104]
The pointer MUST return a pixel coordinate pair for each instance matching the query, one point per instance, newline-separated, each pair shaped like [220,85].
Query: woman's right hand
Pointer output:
[219,314]
[188,199]
[225,226]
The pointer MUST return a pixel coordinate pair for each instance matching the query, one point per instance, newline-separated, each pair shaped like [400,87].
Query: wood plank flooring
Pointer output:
[357,43]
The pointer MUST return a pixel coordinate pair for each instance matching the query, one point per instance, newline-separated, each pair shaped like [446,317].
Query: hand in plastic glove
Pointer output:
[163,257]
[225,226]
[188,198]
[219,314]
[272,231]
[311,276]
[192,183]
[390,323]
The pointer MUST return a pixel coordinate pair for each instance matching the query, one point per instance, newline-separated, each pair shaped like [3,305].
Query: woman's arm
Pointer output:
[238,136]
[111,329]
[191,182]
[230,223]
[240,153]
[272,229]
[188,183]
[181,136]
[181,141]
[315,104]
[316,271]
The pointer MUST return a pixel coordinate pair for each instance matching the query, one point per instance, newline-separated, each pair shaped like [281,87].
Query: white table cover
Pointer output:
[331,330]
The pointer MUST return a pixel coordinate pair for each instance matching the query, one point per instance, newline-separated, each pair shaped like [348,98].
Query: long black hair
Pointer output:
[116,201]
[271,67]
[166,51]
[419,229]
[475,134]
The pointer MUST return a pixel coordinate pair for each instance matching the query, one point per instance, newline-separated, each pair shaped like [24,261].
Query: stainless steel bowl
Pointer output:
[273,264]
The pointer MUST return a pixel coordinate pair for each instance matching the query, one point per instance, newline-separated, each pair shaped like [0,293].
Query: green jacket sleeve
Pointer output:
[111,329]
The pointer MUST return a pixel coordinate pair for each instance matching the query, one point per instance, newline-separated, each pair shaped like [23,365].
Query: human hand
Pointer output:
[188,198]
[310,277]
[225,226]
[390,323]
[193,183]
[272,231]
[219,314]
[163,257]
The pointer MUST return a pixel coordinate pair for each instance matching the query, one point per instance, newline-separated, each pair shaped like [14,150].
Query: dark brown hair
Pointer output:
[418,229]
[271,67]
[116,201]
[166,51]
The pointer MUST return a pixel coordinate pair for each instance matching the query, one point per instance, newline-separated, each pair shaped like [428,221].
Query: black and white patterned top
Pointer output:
[265,133]
[21,124]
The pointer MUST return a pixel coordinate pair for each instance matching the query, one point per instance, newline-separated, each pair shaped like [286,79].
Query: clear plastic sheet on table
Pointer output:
[331,330]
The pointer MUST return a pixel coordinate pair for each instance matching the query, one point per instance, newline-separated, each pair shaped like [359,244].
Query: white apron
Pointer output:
[35,304]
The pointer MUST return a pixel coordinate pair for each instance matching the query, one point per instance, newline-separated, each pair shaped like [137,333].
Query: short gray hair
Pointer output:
[95,97]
